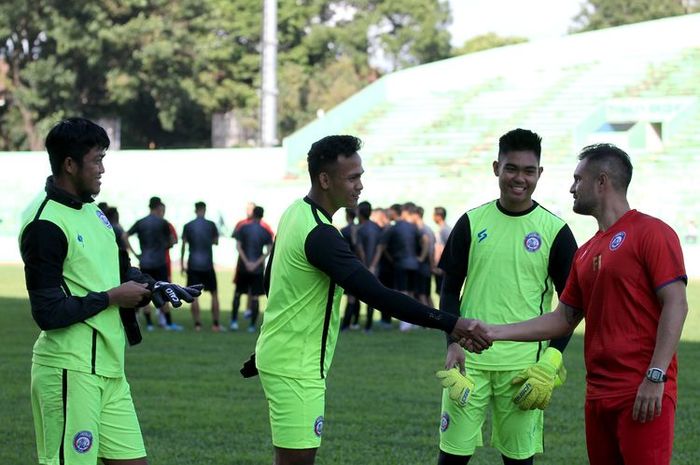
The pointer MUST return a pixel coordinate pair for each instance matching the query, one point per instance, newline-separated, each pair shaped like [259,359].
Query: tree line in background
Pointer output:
[164,68]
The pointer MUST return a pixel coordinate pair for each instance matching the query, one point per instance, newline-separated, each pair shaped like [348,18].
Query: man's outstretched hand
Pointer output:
[471,334]
[168,292]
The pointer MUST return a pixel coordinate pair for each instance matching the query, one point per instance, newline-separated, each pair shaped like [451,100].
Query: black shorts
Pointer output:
[208,278]
[423,284]
[404,280]
[249,283]
[159,274]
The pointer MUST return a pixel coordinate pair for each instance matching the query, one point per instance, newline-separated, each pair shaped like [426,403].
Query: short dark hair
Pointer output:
[258,212]
[200,205]
[611,159]
[350,213]
[396,208]
[409,207]
[112,215]
[441,212]
[74,138]
[520,139]
[326,151]
[154,202]
[364,209]
[420,210]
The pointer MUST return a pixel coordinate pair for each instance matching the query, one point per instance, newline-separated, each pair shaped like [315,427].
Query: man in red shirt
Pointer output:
[629,282]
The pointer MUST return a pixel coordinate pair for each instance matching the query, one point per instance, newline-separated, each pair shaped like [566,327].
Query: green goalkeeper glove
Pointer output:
[539,380]
[458,386]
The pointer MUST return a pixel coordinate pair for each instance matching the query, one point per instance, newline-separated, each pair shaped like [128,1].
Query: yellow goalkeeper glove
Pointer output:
[458,386]
[539,380]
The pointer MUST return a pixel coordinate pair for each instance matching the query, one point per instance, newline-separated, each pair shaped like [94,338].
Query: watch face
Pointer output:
[656,375]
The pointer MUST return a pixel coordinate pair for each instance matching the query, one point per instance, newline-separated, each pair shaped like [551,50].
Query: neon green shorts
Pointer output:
[296,410]
[517,434]
[79,417]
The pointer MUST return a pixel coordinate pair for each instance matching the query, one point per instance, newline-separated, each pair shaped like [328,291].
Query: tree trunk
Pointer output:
[33,139]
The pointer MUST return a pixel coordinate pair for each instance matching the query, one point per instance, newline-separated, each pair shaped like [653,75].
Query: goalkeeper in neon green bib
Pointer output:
[502,262]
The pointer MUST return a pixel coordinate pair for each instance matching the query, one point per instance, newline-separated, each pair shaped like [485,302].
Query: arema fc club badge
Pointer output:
[532,242]
[318,426]
[617,240]
[103,218]
[444,422]
[82,442]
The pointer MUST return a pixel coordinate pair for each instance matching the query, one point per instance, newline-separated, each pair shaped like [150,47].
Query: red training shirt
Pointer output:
[614,279]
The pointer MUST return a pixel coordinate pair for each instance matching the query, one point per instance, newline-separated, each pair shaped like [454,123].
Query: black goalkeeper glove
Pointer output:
[164,291]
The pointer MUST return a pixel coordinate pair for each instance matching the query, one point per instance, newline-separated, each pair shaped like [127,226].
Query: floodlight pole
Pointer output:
[268,101]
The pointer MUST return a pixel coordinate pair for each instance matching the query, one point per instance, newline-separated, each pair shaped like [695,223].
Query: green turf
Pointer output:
[383,405]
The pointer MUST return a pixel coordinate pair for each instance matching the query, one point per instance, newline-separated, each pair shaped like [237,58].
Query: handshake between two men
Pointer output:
[473,335]
[535,382]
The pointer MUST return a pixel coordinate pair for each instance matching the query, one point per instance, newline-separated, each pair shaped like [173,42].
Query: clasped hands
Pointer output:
[473,335]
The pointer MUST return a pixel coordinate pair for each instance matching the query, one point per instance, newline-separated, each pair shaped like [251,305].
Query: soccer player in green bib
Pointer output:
[505,258]
[83,292]
[310,265]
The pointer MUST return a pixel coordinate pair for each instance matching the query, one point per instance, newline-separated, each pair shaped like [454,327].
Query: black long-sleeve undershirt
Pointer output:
[329,252]
[44,249]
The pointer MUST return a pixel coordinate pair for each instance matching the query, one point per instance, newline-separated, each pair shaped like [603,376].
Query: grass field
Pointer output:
[383,403]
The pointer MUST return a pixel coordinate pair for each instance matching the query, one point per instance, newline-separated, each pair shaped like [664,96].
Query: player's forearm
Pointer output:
[552,325]
[52,309]
[367,288]
[449,298]
[673,314]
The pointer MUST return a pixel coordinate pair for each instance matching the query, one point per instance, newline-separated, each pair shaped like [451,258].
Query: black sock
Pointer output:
[234,306]
[147,316]
[370,316]
[254,307]
[356,312]
[168,318]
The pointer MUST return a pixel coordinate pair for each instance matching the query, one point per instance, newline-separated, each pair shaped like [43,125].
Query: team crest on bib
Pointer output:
[103,218]
[532,242]
[82,442]
[318,426]
[617,240]
[444,422]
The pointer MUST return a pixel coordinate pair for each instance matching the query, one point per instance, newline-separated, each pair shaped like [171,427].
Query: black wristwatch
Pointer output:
[656,375]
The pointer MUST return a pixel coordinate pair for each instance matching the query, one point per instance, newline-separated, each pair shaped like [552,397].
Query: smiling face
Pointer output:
[343,181]
[86,176]
[518,172]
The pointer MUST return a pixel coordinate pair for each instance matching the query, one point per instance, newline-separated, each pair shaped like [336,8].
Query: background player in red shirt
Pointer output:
[629,282]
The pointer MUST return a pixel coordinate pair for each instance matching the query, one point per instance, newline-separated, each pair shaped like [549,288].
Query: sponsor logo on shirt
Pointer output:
[318,426]
[597,262]
[482,235]
[444,422]
[532,242]
[103,218]
[82,442]
[617,240]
